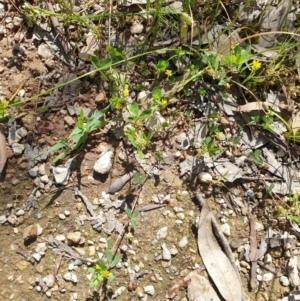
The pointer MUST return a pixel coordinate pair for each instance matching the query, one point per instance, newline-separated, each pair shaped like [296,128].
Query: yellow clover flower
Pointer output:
[168,72]
[4,103]
[163,103]
[105,274]
[255,65]
[118,106]
[125,91]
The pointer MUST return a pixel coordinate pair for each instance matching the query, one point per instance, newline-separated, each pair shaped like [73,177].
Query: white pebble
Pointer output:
[149,289]
[284,281]
[183,242]
[267,277]
[162,233]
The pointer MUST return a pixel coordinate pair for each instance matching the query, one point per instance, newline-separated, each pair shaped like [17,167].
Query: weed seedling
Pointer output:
[209,146]
[132,216]
[102,269]
[256,157]
[79,135]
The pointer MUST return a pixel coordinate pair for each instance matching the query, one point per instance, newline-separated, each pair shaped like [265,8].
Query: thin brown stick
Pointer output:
[56,28]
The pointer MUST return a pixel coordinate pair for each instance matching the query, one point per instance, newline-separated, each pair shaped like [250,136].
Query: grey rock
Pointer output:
[70,277]
[149,289]
[33,172]
[41,247]
[37,257]
[17,21]
[20,212]
[62,216]
[22,132]
[44,179]
[118,292]
[2,219]
[162,233]
[225,228]
[183,242]
[284,281]
[73,237]
[17,148]
[61,175]
[12,219]
[49,280]
[15,181]
[166,254]
[42,169]
[45,52]
[69,120]
[104,164]
[67,213]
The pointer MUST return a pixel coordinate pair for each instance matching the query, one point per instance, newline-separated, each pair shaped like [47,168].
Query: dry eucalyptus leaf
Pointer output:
[200,289]
[3,156]
[216,262]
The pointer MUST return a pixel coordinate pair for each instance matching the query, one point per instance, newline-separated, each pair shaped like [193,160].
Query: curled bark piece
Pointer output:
[119,183]
[3,156]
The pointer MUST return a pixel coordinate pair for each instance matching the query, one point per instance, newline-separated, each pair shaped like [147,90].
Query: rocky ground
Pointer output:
[57,219]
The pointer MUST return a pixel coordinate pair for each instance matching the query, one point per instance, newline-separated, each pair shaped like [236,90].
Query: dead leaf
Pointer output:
[261,106]
[200,289]
[216,262]
[295,125]
[3,155]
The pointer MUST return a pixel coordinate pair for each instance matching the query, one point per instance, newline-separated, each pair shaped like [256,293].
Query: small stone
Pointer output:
[60,237]
[267,277]
[118,292]
[17,21]
[48,294]
[32,232]
[62,216]
[284,281]
[104,164]
[183,242]
[61,175]
[17,148]
[259,226]
[225,228]
[92,251]
[166,254]
[162,233]
[67,213]
[45,51]
[101,97]
[15,181]
[41,247]
[37,257]
[2,219]
[12,219]
[69,120]
[180,215]
[136,28]
[205,177]
[42,169]
[44,179]
[73,237]
[20,212]
[71,277]
[149,289]
[33,172]
[268,258]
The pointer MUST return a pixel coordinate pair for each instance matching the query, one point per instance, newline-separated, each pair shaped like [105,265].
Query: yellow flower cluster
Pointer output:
[163,103]
[125,91]
[118,106]
[255,65]
[168,72]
